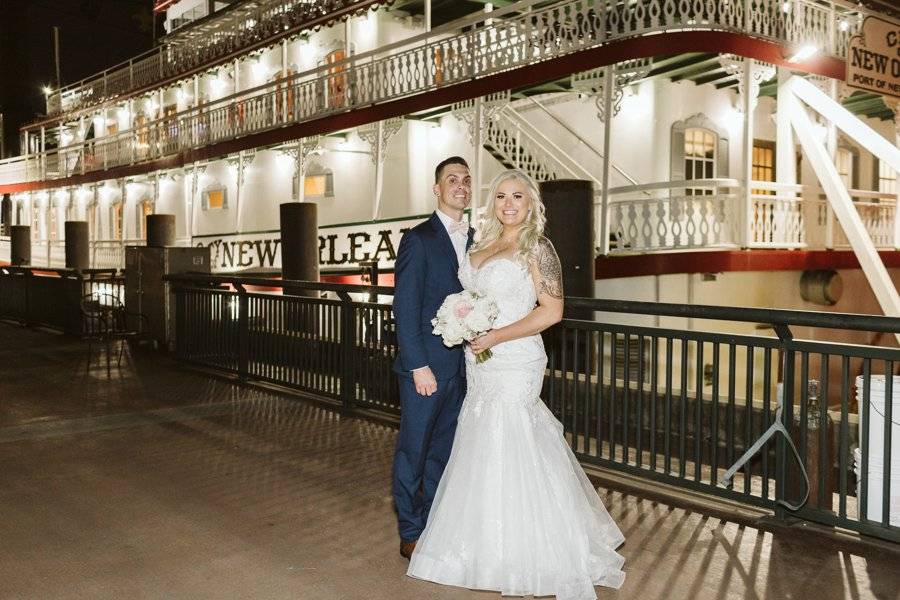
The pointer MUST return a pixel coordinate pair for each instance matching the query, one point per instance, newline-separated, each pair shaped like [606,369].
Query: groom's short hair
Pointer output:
[453,160]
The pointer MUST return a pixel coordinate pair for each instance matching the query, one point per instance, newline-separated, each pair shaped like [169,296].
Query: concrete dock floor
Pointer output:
[161,483]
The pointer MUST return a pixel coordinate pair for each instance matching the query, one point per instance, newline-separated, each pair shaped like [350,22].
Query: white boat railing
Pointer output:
[171,59]
[472,48]
[684,215]
[674,215]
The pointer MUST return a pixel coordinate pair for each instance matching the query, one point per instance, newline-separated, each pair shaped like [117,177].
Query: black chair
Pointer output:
[105,320]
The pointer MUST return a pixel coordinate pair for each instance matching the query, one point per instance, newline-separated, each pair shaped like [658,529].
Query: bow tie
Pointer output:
[460,227]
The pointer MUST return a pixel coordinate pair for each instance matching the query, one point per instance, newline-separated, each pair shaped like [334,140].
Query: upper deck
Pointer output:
[471,56]
[198,39]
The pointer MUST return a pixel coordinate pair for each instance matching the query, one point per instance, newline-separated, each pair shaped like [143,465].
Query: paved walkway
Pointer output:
[163,483]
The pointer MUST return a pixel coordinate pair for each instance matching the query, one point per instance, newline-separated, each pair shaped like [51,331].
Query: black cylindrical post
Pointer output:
[20,252]
[78,254]
[570,226]
[160,231]
[299,241]
[5,214]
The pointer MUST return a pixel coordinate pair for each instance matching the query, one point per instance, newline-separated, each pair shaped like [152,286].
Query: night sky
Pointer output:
[94,35]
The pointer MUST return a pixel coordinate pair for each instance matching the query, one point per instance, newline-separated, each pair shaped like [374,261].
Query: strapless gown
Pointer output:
[514,511]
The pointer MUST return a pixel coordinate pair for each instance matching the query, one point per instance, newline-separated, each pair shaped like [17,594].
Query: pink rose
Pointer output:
[462,310]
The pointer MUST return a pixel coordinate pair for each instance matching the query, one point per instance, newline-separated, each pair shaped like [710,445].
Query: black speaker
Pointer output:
[570,226]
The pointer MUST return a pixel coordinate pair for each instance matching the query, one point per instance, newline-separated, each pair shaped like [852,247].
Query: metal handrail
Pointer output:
[679,184]
[562,123]
[775,317]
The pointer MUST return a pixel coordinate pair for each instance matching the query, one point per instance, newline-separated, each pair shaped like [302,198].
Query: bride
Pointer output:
[514,512]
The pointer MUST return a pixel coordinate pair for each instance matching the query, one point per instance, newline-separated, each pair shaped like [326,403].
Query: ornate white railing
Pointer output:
[107,254]
[708,214]
[877,211]
[471,48]
[674,215]
[47,253]
[255,24]
[776,216]
[104,254]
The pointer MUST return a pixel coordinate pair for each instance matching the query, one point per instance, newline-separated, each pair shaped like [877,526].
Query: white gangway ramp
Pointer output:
[875,442]
[800,93]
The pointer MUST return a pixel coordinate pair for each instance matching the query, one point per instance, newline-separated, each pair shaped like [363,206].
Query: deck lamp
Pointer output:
[47,90]
[804,52]
[843,25]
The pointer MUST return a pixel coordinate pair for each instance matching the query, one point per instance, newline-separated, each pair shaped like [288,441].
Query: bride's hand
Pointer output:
[484,342]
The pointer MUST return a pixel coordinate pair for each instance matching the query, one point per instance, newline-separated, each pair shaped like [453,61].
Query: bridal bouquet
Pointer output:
[463,317]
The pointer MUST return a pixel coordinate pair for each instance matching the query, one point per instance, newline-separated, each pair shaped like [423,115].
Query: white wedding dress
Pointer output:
[514,511]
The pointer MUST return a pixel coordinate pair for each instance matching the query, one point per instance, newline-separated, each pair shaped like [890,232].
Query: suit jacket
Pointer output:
[426,272]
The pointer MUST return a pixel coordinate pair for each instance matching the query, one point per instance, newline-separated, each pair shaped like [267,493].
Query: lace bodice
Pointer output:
[508,281]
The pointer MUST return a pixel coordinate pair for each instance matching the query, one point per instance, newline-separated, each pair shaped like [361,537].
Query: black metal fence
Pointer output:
[53,297]
[672,404]
[334,347]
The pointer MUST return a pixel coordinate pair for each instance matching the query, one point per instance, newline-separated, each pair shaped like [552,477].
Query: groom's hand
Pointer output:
[425,382]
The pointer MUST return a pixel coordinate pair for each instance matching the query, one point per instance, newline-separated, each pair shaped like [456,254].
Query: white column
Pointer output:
[379,168]
[236,66]
[82,128]
[43,151]
[134,139]
[749,105]
[300,171]
[609,84]
[477,143]
[124,200]
[785,152]
[348,36]
[427,15]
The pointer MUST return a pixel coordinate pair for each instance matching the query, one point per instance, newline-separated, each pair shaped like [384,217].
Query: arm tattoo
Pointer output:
[550,270]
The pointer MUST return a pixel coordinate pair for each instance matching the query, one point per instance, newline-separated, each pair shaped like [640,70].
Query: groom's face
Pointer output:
[454,188]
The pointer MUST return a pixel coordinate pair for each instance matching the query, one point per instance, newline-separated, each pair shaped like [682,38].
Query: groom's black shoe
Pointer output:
[407,548]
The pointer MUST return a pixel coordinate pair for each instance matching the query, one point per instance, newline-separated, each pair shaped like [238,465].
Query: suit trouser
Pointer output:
[427,427]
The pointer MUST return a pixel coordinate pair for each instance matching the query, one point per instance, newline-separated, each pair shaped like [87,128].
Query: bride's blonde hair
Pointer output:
[533,227]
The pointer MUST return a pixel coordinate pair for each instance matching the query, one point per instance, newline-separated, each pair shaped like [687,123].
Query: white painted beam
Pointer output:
[846,121]
[839,198]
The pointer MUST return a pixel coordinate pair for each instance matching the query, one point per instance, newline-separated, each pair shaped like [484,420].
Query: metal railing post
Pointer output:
[787,418]
[26,292]
[348,344]
[243,331]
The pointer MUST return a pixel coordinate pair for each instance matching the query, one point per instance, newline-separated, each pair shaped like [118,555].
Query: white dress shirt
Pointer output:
[459,238]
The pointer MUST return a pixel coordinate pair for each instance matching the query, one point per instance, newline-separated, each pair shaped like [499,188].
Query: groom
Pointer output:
[431,376]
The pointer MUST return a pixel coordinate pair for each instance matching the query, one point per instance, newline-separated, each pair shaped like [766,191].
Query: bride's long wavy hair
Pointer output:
[533,227]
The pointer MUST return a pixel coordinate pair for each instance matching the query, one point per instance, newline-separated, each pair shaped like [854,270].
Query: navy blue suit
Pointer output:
[425,274]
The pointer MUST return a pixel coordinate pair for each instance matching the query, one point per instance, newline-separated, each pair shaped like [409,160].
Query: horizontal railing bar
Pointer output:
[650,331]
[684,183]
[758,315]
[62,272]
[282,283]
[853,321]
